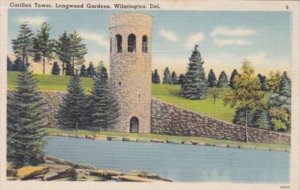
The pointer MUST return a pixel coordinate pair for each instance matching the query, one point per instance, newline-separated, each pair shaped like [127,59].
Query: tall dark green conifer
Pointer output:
[285,85]
[63,50]
[223,80]
[156,78]
[73,111]
[77,49]
[26,122]
[55,69]
[91,70]
[174,78]
[104,107]
[211,79]
[195,86]
[231,81]
[167,76]
[83,71]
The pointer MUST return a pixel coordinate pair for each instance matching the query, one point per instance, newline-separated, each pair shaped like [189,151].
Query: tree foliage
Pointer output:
[91,70]
[63,50]
[167,76]
[195,86]
[232,76]
[211,79]
[174,78]
[214,93]
[223,80]
[155,77]
[83,71]
[263,82]
[55,69]
[26,122]
[273,81]
[77,49]
[285,85]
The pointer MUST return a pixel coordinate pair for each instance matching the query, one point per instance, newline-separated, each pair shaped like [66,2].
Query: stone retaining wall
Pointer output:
[172,120]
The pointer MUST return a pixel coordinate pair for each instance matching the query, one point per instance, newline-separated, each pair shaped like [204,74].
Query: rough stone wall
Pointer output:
[130,72]
[171,120]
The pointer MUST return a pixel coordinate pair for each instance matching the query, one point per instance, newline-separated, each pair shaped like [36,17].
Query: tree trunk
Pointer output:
[246,126]
[44,62]
[63,69]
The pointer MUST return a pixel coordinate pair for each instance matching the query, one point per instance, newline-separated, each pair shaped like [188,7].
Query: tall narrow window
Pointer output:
[119,42]
[131,43]
[145,44]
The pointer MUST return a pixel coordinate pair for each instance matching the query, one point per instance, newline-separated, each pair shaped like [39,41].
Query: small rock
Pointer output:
[105,173]
[134,178]
[157,141]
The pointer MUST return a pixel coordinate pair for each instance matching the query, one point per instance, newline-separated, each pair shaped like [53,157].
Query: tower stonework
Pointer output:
[130,70]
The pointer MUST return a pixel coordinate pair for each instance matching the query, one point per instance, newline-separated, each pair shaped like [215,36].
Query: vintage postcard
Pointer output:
[150,94]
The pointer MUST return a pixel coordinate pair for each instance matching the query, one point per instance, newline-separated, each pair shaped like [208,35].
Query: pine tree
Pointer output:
[26,122]
[261,119]
[233,74]
[239,117]
[285,85]
[69,70]
[83,71]
[167,76]
[43,46]
[102,71]
[63,50]
[263,82]
[156,78]
[55,69]
[77,49]
[91,70]
[19,65]
[223,80]
[211,79]
[73,111]
[22,45]
[10,65]
[104,107]
[195,86]
[181,79]
[174,78]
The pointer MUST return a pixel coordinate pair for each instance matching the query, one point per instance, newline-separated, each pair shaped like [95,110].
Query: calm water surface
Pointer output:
[185,163]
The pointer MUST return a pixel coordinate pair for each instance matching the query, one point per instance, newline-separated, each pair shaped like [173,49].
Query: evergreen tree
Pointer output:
[91,70]
[77,49]
[181,79]
[233,74]
[174,78]
[239,117]
[19,65]
[26,122]
[102,72]
[63,50]
[104,107]
[195,86]
[211,79]
[10,65]
[43,46]
[69,70]
[263,82]
[22,45]
[55,69]
[73,111]
[274,81]
[261,119]
[83,71]
[155,78]
[223,80]
[167,76]
[285,85]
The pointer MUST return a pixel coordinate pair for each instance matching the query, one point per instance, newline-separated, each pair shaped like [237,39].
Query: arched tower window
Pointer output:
[119,42]
[131,43]
[145,44]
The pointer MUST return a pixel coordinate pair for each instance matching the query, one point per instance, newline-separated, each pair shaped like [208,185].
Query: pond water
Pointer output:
[184,163]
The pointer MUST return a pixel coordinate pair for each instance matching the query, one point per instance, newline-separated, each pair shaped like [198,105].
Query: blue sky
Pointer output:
[224,37]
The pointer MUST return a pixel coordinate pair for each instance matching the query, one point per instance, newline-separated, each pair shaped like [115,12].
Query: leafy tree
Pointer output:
[83,71]
[181,79]
[223,80]
[263,82]
[91,70]
[214,93]
[72,113]
[26,122]
[273,81]
[77,49]
[174,78]
[195,86]
[167,77]
[63,50]
[155,77]
[285,85]
[211,79]
[239,117]
[69,70]
[43,46]
[55,69]
[104,107]
[10,65]
[247,93]
[22,45]
[231,81]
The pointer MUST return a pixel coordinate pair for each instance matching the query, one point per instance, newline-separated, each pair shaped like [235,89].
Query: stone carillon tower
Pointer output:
[130,70]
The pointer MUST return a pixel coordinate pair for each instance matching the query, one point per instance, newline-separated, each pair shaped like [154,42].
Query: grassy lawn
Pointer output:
[167,93]
[166,137]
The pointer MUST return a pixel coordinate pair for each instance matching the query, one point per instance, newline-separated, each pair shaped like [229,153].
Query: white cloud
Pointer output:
[168,35]
[194,39]
[100,39]
[240,31]
[231,42]
[33,21]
